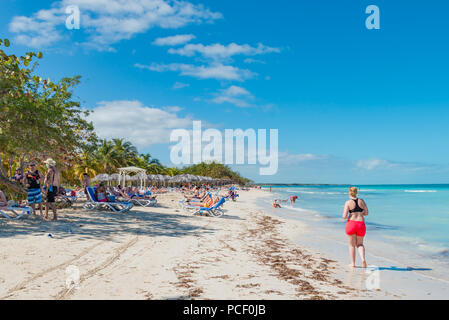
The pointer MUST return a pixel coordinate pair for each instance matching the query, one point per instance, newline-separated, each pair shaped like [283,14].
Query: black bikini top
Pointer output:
[357,207]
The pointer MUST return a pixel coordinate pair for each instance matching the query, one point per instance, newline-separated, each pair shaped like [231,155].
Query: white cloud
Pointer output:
[108,21]
[172,108]
[219,52]
[174,40]
[235,95]
[372,164]
[291,159]
[214,71]
[381,164]
[135,122]
[180,85]
[251,60]
[39,31]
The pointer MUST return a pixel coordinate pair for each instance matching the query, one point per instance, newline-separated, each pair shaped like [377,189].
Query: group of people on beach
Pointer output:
[276,204]
[41,189]
[201,196]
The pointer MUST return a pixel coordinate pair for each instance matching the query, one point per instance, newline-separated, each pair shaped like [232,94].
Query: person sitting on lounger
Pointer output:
[100,194]
[205,203]
[196,195]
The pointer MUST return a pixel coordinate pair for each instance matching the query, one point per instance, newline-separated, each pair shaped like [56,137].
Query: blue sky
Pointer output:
[352,105]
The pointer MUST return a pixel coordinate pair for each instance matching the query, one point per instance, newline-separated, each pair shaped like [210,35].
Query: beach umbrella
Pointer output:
[114,177]
[101,177]
[141,176]
[193,178]
[152,178]
[180,178]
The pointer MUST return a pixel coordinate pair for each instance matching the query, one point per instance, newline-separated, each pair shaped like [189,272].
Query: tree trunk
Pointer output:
[10,166]
[2,170]
[12,186]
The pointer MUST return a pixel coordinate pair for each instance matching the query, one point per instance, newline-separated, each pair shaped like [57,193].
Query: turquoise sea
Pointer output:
[409,218]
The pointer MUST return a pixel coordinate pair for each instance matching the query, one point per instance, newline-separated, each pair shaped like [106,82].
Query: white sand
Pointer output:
[164,253]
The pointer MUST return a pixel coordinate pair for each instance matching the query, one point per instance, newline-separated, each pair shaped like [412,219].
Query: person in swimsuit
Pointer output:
[100,193]
[354,211]
[293,199]
[276,205]
[32,182]
[52,183]
[18,176]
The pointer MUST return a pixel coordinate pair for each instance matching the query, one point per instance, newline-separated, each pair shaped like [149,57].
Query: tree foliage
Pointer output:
[38,118]
[216,170]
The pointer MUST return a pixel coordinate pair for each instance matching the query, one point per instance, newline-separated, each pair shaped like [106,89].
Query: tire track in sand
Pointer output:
[22,285]
[65,293]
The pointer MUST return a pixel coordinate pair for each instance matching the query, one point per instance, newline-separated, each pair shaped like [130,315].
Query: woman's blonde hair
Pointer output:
[353,191]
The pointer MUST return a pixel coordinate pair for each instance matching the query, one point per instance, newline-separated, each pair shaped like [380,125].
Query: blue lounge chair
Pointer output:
[215,211]
[93,204]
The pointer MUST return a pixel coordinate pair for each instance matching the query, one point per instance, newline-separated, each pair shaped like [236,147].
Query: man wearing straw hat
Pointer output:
[52,183]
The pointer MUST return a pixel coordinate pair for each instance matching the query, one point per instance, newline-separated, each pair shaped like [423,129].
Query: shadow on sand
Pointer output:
[105,225]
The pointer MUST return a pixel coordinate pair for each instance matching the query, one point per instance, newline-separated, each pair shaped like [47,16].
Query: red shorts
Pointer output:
[355,227]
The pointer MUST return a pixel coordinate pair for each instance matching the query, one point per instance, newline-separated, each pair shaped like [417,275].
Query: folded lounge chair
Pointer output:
[19,212]
[94,204]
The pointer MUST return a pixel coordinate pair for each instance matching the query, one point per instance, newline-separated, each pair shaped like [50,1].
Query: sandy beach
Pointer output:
[164,253]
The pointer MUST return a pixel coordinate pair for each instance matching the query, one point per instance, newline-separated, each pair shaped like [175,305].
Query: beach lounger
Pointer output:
[142,202]
[19,212]
[214,211]
[184,203]
[94,204]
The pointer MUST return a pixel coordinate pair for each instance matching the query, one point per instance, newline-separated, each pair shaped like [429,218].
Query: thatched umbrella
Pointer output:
[101,177]
[152,178]
[180,178]
[192,178]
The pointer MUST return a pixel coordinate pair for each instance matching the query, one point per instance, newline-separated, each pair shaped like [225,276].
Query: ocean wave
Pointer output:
[320,192]
[420,191]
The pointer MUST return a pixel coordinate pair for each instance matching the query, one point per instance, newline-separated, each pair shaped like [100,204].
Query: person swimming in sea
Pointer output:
[354,211]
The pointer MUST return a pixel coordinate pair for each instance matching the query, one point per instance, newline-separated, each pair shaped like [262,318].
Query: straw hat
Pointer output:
[50,162]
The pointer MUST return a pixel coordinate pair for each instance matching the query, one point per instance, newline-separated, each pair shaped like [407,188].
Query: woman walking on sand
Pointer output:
[355,210]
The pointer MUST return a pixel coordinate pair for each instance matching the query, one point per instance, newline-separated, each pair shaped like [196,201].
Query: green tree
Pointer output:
[38,118]
[125,152]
